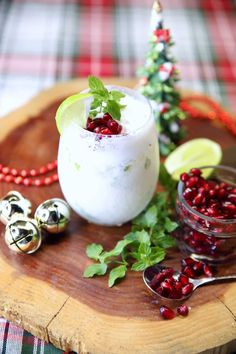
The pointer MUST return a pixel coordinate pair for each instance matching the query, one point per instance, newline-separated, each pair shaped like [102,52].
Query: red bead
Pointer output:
[9,178]
[5,170]
[33,172]
[14,172]
[37,183]
[27,182]
[51,166]
[2,176]
[48,181]
[43,170]
[24,173]
[1,166]
[55,177]
[18,180]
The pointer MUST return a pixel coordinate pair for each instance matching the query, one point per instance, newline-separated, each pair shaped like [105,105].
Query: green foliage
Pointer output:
[104,101]
[147,241]
[163,91]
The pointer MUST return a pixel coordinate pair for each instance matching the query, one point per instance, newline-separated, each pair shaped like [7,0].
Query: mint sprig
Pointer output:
[147,242]
[104,101]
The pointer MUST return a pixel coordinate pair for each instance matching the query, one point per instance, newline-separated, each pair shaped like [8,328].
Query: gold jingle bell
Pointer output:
[23,235]
[53,215]
[13,203]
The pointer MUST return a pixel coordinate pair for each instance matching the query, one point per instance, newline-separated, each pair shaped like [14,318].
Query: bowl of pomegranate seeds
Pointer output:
[206,208]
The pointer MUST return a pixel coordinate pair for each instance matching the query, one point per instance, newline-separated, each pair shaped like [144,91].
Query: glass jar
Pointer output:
[110,179]
[205,238]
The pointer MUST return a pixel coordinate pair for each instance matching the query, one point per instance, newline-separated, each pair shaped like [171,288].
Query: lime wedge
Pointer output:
[194,153]
[72,109]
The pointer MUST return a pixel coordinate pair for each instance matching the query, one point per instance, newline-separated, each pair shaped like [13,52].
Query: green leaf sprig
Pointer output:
[104,101]
[147,242]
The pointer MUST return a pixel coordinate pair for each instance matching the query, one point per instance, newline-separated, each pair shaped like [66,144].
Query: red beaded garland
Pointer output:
[26,177]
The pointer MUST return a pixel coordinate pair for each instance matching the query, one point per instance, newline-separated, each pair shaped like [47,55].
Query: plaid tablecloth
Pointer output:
[45,41]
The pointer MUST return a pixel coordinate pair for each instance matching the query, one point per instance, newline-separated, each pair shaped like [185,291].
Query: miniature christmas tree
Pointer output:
[158,78]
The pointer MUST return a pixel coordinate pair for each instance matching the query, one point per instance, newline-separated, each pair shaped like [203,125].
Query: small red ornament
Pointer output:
[162,35]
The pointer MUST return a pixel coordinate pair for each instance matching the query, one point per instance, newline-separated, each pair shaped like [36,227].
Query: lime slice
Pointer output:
[73,108]
[195,153]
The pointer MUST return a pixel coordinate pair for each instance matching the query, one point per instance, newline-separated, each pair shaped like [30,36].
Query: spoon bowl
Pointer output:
[151,271]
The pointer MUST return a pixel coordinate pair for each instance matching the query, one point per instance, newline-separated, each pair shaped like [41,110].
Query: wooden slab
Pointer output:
[46,294]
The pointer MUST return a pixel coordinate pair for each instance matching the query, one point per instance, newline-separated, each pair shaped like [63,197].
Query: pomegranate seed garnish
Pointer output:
[189,272]
[187,289]
[184,177]
[105,131]
[166,312]
[187,262]
[207,271]
[183,279]
[183,310]
[107,117]
[196,171]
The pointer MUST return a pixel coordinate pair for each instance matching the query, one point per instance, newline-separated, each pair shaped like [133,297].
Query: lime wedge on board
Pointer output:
[194,153]
[72,109]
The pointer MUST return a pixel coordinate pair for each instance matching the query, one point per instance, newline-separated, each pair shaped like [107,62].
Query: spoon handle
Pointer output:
[199,282]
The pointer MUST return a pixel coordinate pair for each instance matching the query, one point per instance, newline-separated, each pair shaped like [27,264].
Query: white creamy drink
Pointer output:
[110,179]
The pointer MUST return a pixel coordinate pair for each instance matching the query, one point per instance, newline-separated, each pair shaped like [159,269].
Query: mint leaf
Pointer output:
[139,266]
[166,241]
[116,273]
[94,250]
[95,84]
[113,109]
[170,225]
[138,236]
[116,95]
[106,256]
[95,269]
[157,255]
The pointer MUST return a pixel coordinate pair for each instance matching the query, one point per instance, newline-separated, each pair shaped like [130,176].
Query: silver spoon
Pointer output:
[149,273]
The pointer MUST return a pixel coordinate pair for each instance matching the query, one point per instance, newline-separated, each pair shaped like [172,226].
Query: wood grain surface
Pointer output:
[46,294]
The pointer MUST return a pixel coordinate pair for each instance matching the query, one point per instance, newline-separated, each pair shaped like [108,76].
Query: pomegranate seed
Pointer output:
[187,289]
[184,177]
[183,279]
[207,271]
[232,198]
[156,280]
[189,272]
[196,171]
[221,193]
[97,130]
[212,192]
[198,268]
[105,131]
[183,310]
[107,117]
[192,182]
[198,200]
[168,272]
[166,312]
[113,126]
[91,126]
[187,262]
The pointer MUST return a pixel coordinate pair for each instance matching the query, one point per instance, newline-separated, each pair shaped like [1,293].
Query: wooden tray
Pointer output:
[46,294]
